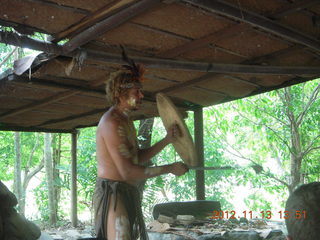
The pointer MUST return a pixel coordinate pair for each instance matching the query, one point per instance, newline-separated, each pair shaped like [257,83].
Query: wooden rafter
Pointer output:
[73,117]
[37,104]
[294,7]
[228,10]
[22,80]
[296,80]
[107,24]
[161,63]
[92,19]
[212,76]
[61,6]
[21,28]
[34,129]
[211,38]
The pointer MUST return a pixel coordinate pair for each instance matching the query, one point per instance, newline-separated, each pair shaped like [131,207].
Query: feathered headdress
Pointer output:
[136,70]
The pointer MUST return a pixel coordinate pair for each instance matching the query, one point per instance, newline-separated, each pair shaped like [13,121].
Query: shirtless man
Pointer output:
[117,201]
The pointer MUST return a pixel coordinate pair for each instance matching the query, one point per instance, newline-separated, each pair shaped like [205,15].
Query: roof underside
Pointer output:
[200,53]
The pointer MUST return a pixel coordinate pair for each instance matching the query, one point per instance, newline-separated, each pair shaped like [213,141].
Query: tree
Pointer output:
[50,181]
[26,166]
[281,126]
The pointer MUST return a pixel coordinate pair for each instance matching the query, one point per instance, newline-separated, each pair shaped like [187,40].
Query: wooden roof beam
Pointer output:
[92,19]
[61,6]
[109,23]
[222,8]
[37,104]
[197,43]
[23,80]
[211,76]
[73,117]
[162,63]
[33,129]
[294,7]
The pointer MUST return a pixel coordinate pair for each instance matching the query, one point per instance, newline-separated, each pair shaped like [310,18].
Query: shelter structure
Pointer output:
[198,52]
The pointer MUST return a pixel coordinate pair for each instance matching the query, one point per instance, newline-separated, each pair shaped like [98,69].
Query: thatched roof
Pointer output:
[200,53]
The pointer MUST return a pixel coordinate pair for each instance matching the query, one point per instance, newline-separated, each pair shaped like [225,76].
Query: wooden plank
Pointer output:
[33,129]
[22,80]
[38,104]
[92,19]
[66,119]
[228,10]
[60,6]
[22,28]
[27,42]
[161,63]
[107,24]
[294,7]
[198,137]
[211,38]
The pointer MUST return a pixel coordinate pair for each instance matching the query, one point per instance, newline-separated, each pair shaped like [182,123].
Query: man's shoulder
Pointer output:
[111,119]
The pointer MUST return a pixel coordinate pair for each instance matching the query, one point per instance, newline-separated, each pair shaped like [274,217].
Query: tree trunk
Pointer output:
[17,173]
[49,172]
[56,145]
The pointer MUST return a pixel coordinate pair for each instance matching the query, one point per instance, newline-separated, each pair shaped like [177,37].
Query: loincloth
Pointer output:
[130,196]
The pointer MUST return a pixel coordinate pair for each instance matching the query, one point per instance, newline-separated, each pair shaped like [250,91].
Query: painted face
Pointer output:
[134,98]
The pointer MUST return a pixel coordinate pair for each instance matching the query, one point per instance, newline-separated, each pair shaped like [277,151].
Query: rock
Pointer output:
[242,235]
[165,219]
[159,227]
[243,220]
[7,198]
[165,236]
[213,236]
[18,227]
[200,209]
[276,235]
[45,236]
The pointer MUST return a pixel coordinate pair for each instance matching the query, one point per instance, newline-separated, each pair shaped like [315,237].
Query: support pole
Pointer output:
[74,218]
[198,136]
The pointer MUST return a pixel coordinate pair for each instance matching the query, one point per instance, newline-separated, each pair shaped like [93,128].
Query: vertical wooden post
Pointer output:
[74,218]
[198,137]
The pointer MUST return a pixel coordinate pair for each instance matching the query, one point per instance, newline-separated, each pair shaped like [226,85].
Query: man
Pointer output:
[303,213]
[117,201]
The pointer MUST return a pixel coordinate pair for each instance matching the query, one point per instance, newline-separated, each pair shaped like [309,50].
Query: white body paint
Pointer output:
[122,228]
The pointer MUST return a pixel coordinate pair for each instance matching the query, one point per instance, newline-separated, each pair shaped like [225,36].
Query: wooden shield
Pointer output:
[170,115]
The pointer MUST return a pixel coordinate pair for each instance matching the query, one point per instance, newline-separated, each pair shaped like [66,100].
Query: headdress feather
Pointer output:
[136,70]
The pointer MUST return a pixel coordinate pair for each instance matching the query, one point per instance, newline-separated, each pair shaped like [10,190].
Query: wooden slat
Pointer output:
[294,7]
[60,6]
[211,38]
[107,24]
[160,63]
[44,102]
[228,10]
[92,19]
[34,129]
[73,117]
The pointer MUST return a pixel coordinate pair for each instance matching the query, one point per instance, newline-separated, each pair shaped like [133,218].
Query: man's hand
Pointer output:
[173,133]
[179,168]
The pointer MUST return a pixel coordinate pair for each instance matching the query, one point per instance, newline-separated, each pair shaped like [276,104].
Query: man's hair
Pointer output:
[305,200]
[118,85]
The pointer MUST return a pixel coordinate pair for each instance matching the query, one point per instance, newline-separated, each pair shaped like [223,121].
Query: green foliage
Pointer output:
[7,155]
[87,171]
[41,195]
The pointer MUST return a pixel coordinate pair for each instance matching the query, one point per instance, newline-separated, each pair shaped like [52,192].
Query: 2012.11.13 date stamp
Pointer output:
[259,215]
